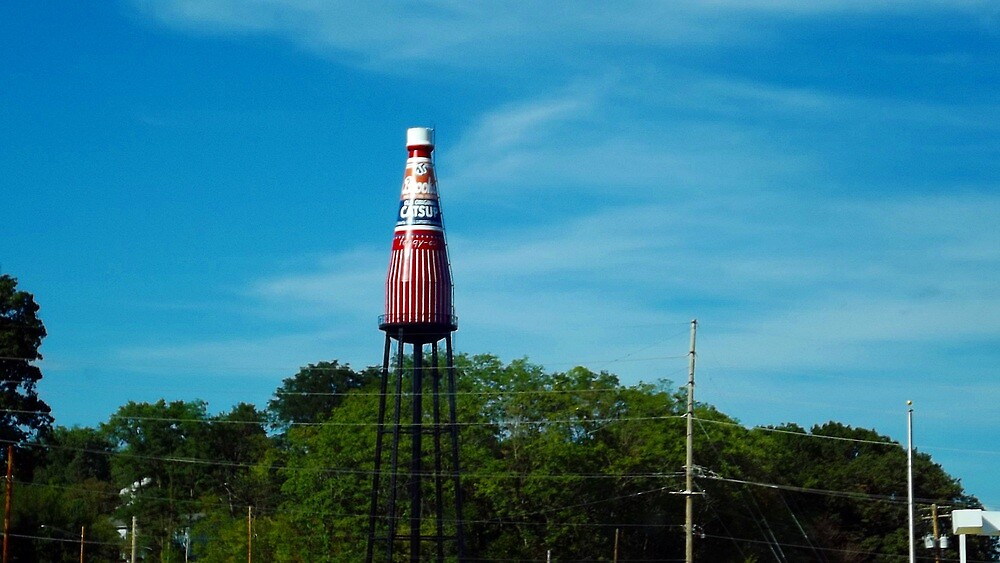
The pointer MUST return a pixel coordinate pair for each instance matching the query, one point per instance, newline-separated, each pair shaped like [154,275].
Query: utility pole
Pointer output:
[10,493]
[615,560]
[135,544]
[909,477]
[82,530]
[689,463]
[937,535]
[249,534]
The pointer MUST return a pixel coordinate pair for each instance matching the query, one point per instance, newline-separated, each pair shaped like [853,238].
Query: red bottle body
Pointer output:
[418,288]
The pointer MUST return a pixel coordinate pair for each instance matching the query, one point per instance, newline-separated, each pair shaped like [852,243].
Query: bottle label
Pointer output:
[418,205]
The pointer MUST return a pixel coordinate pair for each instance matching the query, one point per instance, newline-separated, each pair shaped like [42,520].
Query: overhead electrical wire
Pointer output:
[757,515]
[515,475]
[500,393]
[848,494]
[350,471]
[480,475]
[519,519]
[509,521]
[540,422]
[76,541]
[802,434]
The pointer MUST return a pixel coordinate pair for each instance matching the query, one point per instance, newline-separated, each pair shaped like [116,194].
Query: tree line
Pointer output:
[574,465]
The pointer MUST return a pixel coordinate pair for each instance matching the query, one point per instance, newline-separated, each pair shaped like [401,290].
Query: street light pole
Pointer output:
[135,528]
[909,476]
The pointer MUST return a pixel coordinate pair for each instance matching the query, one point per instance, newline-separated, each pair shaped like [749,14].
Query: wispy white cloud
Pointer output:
[529,123]
[348,284]
[461,33]
[610,137]
[247,356]
[694,141]
[702,212]
[894,275]
[827,214]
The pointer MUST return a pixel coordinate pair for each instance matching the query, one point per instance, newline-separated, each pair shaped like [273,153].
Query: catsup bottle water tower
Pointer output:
[419,313]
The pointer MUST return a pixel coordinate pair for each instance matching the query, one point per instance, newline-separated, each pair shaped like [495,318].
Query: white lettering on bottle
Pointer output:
[411,186]
[418,209]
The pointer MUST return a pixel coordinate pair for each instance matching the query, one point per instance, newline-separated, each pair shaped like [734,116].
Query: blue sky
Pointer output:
[201,197]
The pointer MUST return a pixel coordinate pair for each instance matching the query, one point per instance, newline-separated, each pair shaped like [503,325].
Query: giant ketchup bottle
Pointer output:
[418,286]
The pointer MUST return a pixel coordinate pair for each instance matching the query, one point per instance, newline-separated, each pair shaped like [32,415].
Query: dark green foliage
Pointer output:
[177,467]
[74,455]
[555,474]
[311,395]
[71,490]
[550,461]
[327,482]
[161,466]
[559,461]
[22,414]
[237,443]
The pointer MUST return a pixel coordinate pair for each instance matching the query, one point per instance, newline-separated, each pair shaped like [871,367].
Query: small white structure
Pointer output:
[973,522]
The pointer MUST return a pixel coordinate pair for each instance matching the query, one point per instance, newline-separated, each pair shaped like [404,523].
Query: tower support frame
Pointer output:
[424,475]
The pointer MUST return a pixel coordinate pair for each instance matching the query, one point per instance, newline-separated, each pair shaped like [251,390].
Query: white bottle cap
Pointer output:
[420,137]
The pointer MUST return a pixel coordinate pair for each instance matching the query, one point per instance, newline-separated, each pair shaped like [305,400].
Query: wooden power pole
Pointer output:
[10,493]
[689,462]
[937,534]
[249,534]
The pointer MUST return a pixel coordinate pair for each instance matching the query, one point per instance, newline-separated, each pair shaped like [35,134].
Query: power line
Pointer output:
[492,475]
[802,434]
[519,519]
[538,422]
[529,423]
[892,499]
[347,471]
[757,515]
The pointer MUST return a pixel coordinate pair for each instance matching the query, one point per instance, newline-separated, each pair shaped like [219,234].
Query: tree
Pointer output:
[163,466]
[327,481]
[573,462]
[244,476]
[22,414]
[71,489]
[74,455]
[184,473]
[237,441]
[576,455]
[550,461]
[846,492]
[310,395]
